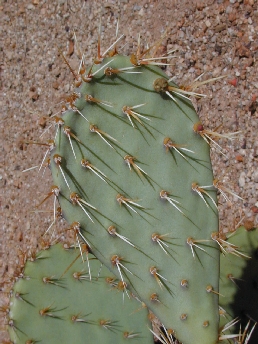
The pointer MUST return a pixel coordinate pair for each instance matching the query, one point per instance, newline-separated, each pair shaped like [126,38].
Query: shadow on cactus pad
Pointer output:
[245,305]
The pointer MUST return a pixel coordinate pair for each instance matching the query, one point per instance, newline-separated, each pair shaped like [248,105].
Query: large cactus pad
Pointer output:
[128,167]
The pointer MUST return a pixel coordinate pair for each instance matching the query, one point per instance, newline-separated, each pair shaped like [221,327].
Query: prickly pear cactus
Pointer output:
[60,300]
[132,173]
[239,280]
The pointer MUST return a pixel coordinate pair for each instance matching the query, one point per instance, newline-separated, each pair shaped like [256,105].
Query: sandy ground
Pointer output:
[216,37]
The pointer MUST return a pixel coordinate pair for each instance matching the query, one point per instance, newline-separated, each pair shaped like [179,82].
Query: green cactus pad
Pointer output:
[239,280]
[56,302]
[129,166]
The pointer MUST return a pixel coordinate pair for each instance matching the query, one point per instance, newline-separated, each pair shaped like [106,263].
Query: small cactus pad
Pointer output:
[56,302]
[131,170]
[239,280]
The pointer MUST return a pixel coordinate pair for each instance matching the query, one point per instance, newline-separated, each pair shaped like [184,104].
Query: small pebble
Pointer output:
[255,176]
[241,180]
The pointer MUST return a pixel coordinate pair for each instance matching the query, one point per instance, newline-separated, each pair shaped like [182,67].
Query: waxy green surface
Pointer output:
[70,309]
[190,311]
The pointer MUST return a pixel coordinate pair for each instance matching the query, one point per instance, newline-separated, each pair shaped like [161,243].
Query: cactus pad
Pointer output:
[130,172]
[59,300]
[239,280]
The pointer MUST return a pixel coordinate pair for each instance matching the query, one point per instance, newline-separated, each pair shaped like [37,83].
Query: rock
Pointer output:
[255,176]
[241,180]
